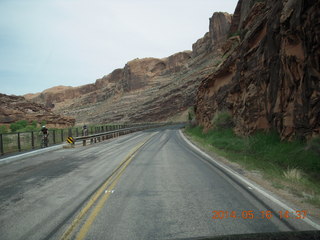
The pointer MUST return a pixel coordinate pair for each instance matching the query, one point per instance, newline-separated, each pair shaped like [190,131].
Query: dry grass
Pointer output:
[293,174]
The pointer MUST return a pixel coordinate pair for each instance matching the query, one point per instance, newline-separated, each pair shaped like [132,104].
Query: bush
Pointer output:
[14,127]
[222,120]
[3,129]
[191,117]
[22,126]
[34,124]
[29,128]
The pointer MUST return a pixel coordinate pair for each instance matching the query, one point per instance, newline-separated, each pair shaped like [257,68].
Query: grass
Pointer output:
[291,165]
[293,174]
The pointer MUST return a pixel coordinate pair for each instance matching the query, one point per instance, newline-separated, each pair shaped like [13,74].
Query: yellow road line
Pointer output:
[85,228]
[113,180]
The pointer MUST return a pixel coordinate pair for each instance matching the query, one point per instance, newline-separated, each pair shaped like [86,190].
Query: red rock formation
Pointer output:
[136,74]
[147,89]
[14,108]
[219,25]
[271,78]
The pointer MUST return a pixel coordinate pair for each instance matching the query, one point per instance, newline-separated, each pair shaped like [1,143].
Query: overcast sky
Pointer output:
[46,43]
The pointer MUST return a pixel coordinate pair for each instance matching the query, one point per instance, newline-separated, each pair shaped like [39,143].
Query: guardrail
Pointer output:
[22,141]
[116,133]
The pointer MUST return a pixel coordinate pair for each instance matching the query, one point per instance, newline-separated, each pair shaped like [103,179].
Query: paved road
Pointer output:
[146,185]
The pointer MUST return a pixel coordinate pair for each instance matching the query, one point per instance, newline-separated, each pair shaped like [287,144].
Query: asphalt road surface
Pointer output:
[145,185]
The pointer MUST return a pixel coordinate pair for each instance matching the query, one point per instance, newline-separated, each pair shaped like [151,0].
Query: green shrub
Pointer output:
[191,117]
[14,127]
[3,129]
[222,120]
[34,124]
[23,126]
[29,128]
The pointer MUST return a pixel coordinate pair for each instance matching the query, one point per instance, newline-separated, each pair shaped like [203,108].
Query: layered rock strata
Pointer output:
[14,108]
[270,78]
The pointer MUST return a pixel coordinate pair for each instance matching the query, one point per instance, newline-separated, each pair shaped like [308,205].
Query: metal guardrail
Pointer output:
[23,141]
[115,133]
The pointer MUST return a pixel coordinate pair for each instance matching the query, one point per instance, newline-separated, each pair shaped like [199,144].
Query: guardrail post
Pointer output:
[19,144]
[77,132]
[1,145]
[54,136]
[70,132]
[32,140]
[61,135]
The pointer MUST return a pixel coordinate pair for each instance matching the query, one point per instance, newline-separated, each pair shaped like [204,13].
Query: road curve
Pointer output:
[145,185]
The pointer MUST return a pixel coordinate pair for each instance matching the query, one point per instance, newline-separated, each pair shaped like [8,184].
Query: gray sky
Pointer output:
[46,43]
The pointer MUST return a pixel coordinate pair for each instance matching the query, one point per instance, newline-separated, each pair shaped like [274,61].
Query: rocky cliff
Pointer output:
[270,76]
[219,25]
[14,108]
[147,89]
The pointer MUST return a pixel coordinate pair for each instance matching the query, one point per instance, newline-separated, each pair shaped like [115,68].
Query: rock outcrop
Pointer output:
[136,74]
[270,78]
[147,89]
[14,108]
[219,25]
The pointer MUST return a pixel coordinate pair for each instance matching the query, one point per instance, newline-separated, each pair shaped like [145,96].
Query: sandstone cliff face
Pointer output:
[219,25]
[147,89]
[136,74]
[14,108]
[270,78]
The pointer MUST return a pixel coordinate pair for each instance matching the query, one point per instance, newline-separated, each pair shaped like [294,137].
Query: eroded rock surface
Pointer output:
[14,108]
[270,78]
[147,89]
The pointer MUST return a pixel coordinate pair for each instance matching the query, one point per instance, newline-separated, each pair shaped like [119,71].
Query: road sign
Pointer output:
[70,140]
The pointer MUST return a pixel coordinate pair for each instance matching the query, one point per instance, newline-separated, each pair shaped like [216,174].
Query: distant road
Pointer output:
[146,185]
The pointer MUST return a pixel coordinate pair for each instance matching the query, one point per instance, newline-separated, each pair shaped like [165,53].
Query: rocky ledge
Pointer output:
[14,108]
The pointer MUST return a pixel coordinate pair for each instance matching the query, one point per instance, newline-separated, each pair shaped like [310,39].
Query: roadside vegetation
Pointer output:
[294,165]
[21,126]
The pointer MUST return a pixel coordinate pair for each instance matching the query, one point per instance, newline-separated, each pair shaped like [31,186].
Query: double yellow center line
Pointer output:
[105,190]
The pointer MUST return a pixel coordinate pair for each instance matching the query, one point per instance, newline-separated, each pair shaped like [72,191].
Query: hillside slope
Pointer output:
[147,89]
[14,108]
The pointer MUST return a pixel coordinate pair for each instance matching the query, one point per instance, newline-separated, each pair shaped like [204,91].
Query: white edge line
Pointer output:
[267,195]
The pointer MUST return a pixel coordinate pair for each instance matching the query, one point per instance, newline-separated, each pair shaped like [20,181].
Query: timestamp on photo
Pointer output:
[250,214]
